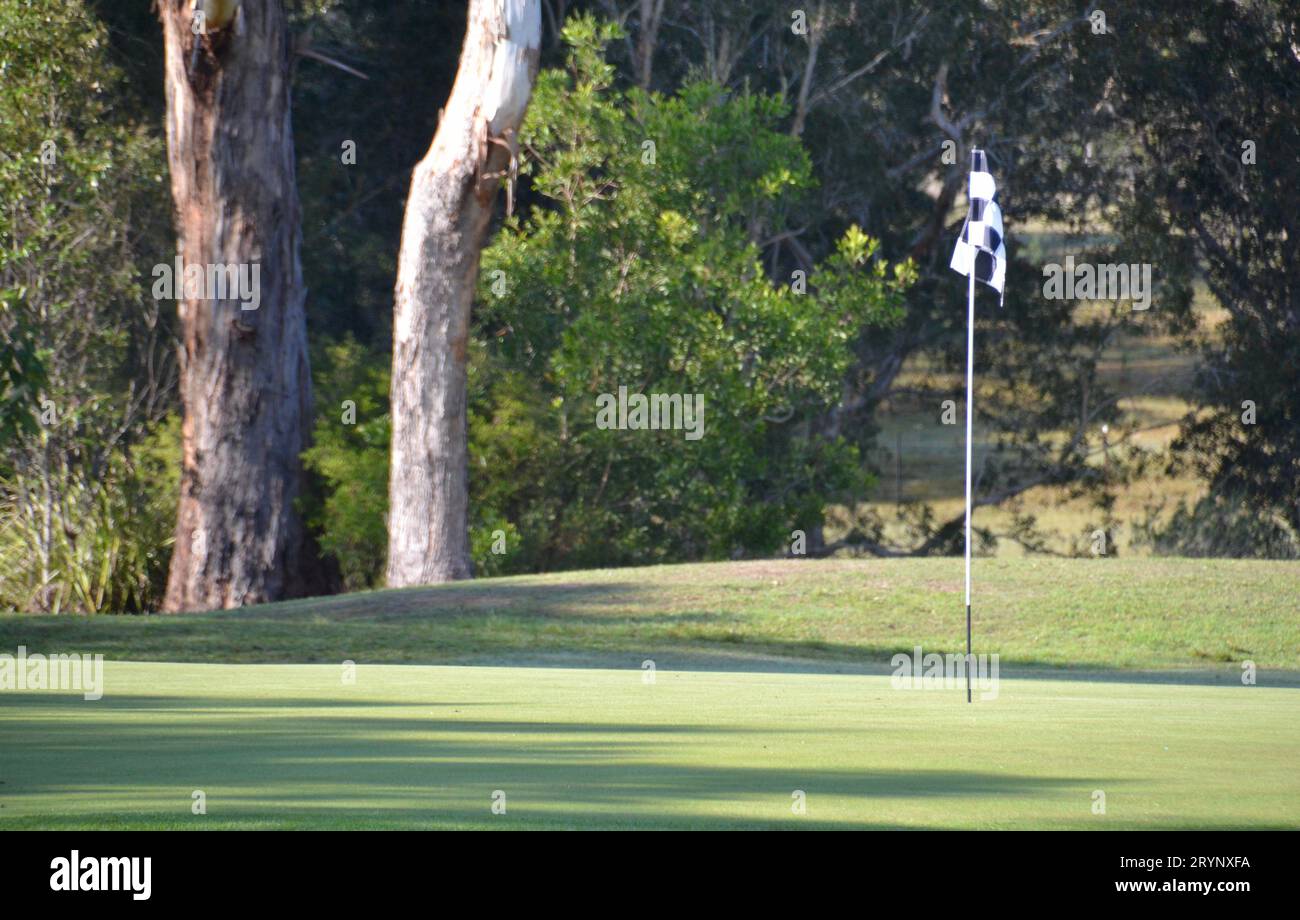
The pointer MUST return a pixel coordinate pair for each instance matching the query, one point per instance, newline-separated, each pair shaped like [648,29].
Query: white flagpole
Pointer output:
[970,405]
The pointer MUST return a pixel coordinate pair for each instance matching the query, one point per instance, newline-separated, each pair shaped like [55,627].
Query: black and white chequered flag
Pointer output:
[980,242]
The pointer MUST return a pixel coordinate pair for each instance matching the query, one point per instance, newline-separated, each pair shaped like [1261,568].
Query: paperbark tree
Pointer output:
[245,387]
[447,212]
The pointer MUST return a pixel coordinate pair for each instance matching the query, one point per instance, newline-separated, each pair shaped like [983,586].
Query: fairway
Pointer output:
[293,746]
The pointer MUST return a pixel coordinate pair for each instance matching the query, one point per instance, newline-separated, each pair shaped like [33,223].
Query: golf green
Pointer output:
[298,746]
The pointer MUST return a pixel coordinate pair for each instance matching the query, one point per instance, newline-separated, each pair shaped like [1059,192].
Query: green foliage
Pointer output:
[73,539]
[493,544]
[515,455]
[22,372]
[1214,97]
[85,375]
[349,456]
[349,453]
[644,272]
[641,271]
[653,249]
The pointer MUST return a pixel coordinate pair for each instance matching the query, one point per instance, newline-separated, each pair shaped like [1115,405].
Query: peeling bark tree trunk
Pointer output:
[244,386]
[447,213]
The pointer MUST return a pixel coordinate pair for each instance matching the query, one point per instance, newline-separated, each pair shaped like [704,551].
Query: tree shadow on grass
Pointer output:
[342,769]
[489,595]
[551,622]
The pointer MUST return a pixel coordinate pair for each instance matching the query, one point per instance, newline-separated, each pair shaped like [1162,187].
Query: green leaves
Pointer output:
[85,361]
[643,269]
[349,455]
[22,371]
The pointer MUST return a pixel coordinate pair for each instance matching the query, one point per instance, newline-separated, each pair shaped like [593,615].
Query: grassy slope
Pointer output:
[731,726]
[291,746]
[849,614]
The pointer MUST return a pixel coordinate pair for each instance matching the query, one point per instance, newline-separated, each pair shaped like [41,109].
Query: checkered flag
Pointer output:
[980,243]
[980,256]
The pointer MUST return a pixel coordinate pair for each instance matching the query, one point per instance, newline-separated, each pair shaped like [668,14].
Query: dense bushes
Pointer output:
[87,487]
[638,268]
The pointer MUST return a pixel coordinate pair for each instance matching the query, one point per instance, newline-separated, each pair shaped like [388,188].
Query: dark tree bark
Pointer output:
[447,213]
[245,386]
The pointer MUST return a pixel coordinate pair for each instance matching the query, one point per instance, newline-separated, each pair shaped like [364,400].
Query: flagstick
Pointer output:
[970,403]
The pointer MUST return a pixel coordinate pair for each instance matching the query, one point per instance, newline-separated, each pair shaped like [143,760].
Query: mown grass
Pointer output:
[284,746]
[743,708]
[1113,613]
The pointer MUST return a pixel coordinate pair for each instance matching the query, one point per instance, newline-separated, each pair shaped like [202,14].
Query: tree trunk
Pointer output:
[447,214]
[245,387]
[652,14]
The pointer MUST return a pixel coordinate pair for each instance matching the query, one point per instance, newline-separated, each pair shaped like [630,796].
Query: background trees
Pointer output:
[644,270]
[626,275]
[85,371]
[773,137]
[1212,99]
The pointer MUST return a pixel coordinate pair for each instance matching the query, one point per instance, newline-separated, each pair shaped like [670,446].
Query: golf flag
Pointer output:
[980,244]
[981,256]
